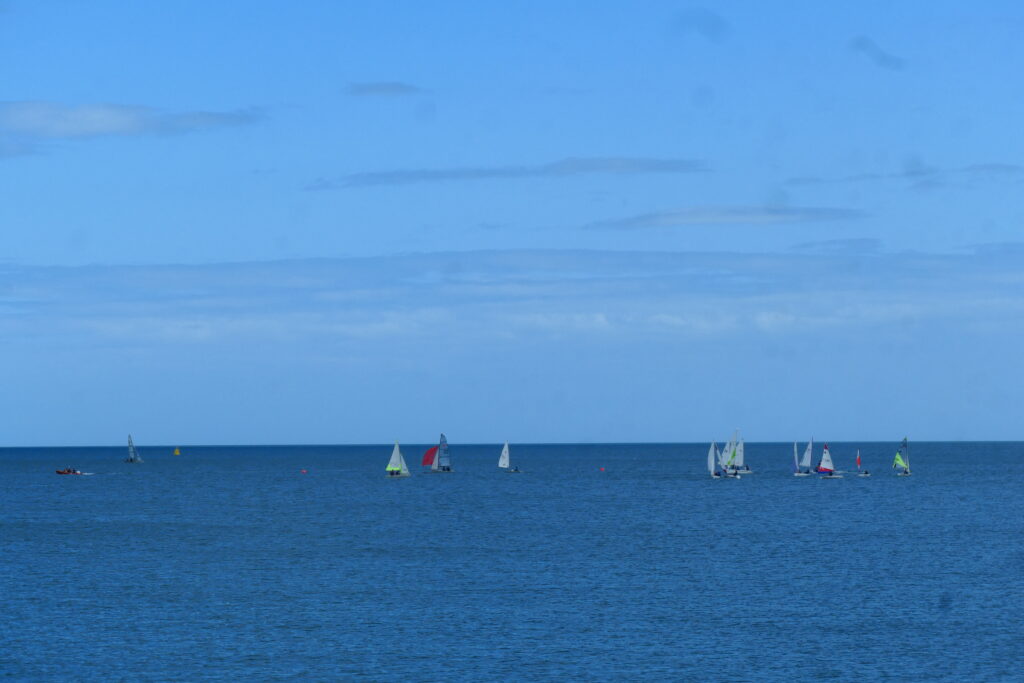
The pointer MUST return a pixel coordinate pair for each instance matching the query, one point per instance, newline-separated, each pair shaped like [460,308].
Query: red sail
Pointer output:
[428,457]
[858,460]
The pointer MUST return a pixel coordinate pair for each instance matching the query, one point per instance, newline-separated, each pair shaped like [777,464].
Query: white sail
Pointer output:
[503,458]
[796,462]
[712,454]
[738,463]
[397,462]
[805,462]
[133,453]
[826,461]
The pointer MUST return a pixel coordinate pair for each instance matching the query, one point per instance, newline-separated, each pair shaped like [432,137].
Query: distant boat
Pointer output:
[503,461]
[727,459]
[860,472]
[396,466]
[902,459]
[177,451]
[803,468]
[825,465]
[437,458]
[713,457]
[133,453]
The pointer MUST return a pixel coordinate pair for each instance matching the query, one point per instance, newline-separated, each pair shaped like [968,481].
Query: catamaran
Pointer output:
[133,453]
[825,465]
[803,468]
[902,459]
[713,458]
[396,466]
[437,458]
[503,461]
[860,472]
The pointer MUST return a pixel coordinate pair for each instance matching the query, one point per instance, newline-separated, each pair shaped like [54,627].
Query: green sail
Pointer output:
[898,462]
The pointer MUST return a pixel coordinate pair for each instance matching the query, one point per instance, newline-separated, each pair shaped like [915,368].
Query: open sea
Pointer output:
[229,563]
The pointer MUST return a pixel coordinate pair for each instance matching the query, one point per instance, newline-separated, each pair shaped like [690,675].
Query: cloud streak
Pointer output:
[55,121]
[728,215]
[384,89]
[572,166]
[870,49]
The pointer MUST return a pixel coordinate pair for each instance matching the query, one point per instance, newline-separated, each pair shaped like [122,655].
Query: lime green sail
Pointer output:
[898,462]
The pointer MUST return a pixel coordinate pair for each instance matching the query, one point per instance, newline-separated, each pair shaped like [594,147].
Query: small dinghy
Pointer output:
[825,466]
[504,461]
[396,466]
[860,472]
[713,457]
[437,458]
[902,459]
[803,468]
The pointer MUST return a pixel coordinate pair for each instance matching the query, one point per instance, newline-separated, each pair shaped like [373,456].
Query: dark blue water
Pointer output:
[228,563]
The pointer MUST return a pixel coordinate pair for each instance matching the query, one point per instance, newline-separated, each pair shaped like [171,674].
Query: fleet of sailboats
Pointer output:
[726,463]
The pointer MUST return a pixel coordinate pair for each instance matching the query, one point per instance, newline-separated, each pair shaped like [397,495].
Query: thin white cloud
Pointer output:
[51,120]
[572,166]
[729,215]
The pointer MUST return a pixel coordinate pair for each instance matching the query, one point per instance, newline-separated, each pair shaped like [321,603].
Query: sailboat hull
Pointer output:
[801,474]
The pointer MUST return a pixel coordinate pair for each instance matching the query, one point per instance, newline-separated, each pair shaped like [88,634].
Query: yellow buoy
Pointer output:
[177,451]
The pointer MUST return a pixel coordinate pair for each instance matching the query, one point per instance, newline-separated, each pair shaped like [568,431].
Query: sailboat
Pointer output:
[133,453]
[437,458]
[503,461]
[739,464]
[713,457]
[825,465]
[860,472]
[902,459]
[728,465]
[803,468]
[396,466]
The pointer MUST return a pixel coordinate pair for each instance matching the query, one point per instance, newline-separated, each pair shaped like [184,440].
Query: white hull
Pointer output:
[513,471]
[864,474]
[441,471]
[903,474]
[801,474]
[833,476]
[396,476]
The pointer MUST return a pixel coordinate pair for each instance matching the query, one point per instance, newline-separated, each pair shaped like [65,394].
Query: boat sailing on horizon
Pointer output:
[437,458]
[860,472]
[825,465]
[714,460]
[396,466]
[133,453]
[504,461]
[803,468]
[902,459]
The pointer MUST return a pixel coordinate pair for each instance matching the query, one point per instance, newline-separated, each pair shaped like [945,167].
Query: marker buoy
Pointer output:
[601,468]
[303,471]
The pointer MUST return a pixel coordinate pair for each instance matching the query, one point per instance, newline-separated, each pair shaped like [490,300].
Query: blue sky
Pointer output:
[345,223]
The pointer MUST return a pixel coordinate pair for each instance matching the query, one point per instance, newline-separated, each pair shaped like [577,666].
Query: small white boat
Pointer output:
[803,468]
[504,461]
[713,457]
[825,466]
[396,466]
